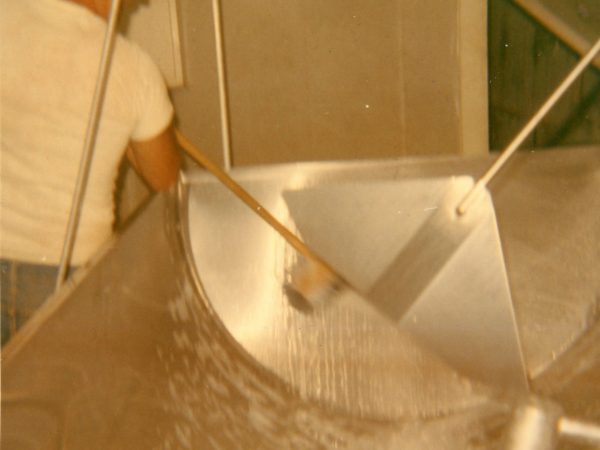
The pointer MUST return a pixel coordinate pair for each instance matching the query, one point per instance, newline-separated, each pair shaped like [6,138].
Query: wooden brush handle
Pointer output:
[252,203]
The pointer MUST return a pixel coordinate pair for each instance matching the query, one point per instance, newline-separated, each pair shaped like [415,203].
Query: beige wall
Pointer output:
[341,79]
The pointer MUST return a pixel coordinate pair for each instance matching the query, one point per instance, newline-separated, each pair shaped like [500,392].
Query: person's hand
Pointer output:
[156,160]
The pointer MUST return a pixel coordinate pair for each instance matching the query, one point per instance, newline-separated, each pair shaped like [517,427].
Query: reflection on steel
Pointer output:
[587,433]
[159,344]
[539,424]
[534,427]
[454,295]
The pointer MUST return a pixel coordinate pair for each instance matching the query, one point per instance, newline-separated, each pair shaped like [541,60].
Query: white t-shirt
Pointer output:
[50,54]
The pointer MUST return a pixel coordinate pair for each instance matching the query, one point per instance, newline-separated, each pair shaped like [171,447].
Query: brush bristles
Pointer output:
[314,283]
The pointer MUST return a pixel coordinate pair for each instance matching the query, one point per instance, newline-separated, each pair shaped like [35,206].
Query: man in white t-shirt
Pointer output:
[50,54]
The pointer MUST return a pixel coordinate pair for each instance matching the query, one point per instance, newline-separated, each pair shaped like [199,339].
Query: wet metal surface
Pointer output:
[344,355]
[132,356]
[442,280]
[139,353]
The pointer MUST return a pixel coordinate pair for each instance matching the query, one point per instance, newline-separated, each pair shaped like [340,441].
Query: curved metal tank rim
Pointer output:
[495,402]
[397,167]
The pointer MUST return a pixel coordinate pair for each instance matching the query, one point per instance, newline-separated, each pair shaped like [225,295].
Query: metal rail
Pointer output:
[221,72]
[89,143]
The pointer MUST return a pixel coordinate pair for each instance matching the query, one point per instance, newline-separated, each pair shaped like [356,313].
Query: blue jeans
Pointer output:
[24,288]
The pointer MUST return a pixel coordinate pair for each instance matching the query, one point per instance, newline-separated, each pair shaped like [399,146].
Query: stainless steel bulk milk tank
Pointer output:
[179,334]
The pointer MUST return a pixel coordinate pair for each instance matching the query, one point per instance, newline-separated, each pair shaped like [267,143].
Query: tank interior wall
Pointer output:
[132,355]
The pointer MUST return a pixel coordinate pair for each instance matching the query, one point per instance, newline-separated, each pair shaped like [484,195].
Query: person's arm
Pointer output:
[156,160]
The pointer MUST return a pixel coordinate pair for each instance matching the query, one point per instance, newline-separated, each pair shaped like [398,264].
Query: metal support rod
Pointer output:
[221,72]
[581,431]
[538,424]
[527,129]
[558,25]
[89,143]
